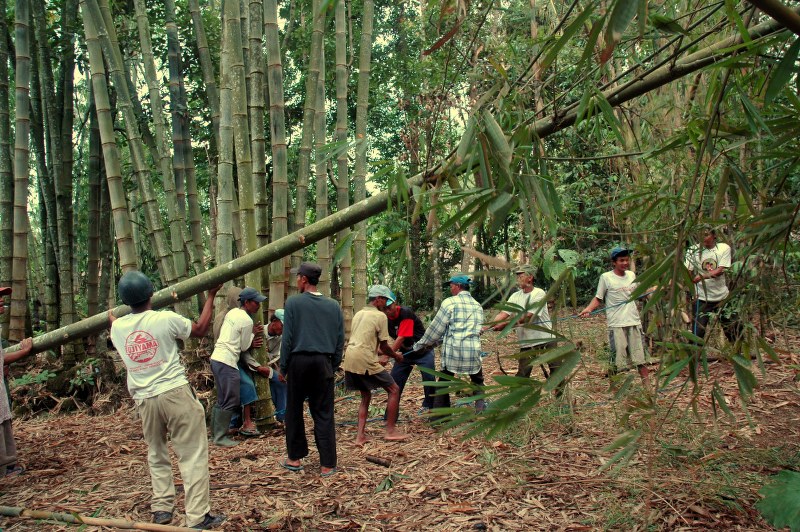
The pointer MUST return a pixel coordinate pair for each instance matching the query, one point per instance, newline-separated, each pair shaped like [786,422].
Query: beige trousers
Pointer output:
[179,413]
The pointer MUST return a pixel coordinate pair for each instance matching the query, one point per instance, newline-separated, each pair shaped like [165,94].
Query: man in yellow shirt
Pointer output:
[363,371]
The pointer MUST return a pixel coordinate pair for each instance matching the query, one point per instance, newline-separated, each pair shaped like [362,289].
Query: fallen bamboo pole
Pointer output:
[228,271]
[78,519]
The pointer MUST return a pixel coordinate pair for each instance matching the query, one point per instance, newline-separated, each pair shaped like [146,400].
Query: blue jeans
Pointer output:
[401,371]
[278,391]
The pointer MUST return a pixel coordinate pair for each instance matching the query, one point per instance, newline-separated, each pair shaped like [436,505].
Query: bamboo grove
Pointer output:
[203,142]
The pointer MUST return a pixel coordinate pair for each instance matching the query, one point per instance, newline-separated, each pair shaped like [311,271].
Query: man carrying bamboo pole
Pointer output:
[146,341]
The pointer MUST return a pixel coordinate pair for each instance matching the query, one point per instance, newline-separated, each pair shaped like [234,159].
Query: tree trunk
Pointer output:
[119,206]
[362,145]
[6,173]
[94,21]
[307,133]
[342,174]
[47,203]
[323,246]
[19,268]
[277,121]
[161,154]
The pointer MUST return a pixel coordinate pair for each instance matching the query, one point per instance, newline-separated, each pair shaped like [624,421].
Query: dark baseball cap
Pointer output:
[620,252]
[309,269]
[251,294]
[5,290]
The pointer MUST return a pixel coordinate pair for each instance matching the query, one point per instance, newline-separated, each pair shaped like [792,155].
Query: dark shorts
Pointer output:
[367,383]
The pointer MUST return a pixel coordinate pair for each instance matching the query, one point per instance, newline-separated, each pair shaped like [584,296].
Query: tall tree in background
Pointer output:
[362,145]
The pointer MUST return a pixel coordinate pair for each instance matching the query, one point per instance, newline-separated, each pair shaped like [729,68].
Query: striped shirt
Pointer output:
[458,325]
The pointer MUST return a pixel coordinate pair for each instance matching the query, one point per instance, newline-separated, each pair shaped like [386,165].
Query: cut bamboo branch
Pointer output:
[78,519]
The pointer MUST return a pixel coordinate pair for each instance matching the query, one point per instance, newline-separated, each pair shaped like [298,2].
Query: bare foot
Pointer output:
[361,440]
[396,436]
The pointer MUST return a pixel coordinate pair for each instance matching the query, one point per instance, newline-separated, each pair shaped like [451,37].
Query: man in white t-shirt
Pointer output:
[528,306]
[146,341]
[708,262]
[624,325]
[237,334]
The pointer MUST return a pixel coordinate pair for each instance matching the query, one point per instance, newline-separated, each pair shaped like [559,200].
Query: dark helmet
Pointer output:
[134,288]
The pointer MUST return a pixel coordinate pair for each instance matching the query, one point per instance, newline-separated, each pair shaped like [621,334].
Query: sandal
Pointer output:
[329,473]
[249,433]
[290,467]
[14,470]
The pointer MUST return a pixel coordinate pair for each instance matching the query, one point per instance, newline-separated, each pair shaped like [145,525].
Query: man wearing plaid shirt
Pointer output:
[458,324]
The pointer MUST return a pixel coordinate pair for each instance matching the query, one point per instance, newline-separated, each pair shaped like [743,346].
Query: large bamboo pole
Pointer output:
[79,519]
[375,204]
[320,169]
[277,124]
[123,229]
[6,173]
[19,265]
[362,145]
[342,174]
[307,131]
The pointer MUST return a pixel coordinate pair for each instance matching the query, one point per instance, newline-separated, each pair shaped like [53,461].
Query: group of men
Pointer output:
[308,340]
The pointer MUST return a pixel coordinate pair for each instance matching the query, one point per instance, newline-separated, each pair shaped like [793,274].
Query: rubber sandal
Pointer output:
[15,470]
[329,473]
[249,433]
[290,467]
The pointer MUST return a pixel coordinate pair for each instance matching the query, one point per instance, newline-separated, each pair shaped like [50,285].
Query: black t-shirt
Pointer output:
[407,322]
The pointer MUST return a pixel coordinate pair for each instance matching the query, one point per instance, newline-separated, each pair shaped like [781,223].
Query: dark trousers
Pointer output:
[532,353]
[402,370]
[310,375]
[443,401]
[703,310]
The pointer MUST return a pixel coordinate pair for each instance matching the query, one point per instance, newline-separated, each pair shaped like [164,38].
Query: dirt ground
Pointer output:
[693,472]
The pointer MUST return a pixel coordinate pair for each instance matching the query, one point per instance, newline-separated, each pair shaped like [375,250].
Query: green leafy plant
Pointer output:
[388,482]
[84,374]
[40,378]
[781,503]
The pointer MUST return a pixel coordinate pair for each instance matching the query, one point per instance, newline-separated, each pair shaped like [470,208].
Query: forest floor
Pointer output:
[697,471]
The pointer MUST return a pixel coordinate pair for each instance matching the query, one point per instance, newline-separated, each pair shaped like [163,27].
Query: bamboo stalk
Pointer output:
[78,519]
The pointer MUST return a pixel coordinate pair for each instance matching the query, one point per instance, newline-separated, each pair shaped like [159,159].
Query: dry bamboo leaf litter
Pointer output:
[544,476]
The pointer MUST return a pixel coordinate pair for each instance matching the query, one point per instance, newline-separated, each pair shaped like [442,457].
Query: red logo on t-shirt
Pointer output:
[141,347]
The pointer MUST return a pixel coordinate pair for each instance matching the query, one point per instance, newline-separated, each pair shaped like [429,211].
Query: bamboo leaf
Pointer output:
[783,72]
[343,247]
[571,30]
[621,17]
[467,140]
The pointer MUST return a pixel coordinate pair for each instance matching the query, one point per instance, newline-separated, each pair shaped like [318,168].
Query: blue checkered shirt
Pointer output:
[458,325]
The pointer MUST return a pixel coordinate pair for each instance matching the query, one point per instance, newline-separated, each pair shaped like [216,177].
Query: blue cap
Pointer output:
[251,294]
[620,252]
[380,290]
[458,279]
[277,315]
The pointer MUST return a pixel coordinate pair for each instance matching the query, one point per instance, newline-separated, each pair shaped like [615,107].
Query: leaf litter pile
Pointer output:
[691,471]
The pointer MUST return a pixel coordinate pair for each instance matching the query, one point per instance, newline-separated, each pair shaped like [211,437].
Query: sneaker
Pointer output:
[162,518]
[210,522]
